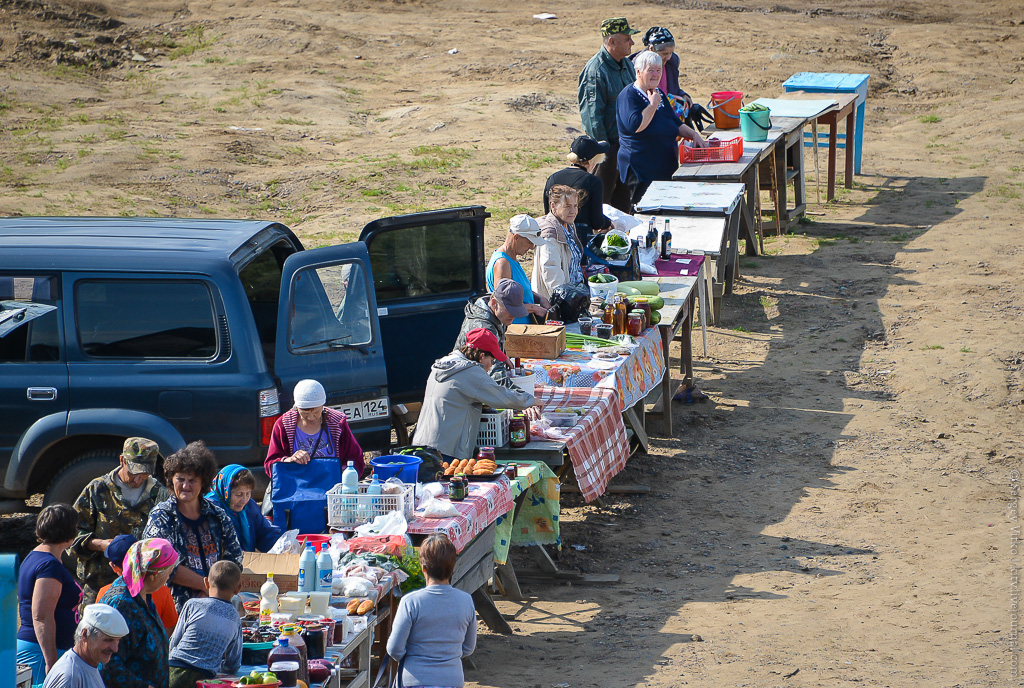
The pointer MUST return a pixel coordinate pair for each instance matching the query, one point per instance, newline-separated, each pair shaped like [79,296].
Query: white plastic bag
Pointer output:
[391,523]
[288,543]
[620,220]
[338,549]
[436,507]
[615,250]
[356,587]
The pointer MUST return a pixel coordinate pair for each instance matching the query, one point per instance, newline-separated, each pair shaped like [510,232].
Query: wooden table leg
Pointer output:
[851,143]
[505,577]
[489,613]
[832,126]
[666,384]
[637,425]
[782,206]
[755,244]
[731,258]
[686,343]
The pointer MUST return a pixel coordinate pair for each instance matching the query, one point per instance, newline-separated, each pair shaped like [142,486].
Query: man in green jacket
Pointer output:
[607,73]
[117,503]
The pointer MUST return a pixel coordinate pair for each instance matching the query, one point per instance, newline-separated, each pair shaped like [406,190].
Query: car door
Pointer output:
[33,367]
[426,267]
[327,331]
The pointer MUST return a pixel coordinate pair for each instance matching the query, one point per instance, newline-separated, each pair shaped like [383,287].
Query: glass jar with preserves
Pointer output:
[635,325]
[483,453]
[517,432]
[644,304]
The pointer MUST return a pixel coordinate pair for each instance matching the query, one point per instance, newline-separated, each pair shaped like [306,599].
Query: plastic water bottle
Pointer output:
[324,570]
[375,488]
[307,569]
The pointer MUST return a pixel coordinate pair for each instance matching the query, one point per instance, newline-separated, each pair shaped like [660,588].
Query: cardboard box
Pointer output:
[256,566]
[535,341]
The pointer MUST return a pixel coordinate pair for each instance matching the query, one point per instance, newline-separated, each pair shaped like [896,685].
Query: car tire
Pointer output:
[72,479]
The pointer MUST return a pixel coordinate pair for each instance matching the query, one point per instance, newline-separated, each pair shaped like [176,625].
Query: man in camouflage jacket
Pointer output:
[117,503]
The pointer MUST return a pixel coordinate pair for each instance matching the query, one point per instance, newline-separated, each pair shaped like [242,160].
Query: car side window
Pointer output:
[330,308]
[146,319]
[29,319]
[417,261]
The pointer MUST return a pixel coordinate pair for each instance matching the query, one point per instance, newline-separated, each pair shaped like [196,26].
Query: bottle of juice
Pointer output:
[290,634]
[268,600]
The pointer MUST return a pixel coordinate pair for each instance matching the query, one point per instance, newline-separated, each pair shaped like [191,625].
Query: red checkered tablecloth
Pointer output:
[597,445]
[485,503]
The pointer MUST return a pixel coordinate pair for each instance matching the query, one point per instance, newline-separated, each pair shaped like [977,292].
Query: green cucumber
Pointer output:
[656,302]
[643,287]
[627,290]
[655,317]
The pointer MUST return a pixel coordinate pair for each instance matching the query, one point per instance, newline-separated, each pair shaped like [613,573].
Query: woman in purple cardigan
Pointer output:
[310,431]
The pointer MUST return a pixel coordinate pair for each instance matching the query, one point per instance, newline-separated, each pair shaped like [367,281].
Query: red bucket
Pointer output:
[319,541]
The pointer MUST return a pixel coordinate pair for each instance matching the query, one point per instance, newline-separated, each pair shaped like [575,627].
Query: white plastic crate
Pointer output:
[494,429]
[349,511]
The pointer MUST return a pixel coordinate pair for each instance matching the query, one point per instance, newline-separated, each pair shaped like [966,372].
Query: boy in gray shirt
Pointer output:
[205,626]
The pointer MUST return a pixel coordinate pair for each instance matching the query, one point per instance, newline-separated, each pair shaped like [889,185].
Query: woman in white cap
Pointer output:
[523,235]
[312,431]
[96,641]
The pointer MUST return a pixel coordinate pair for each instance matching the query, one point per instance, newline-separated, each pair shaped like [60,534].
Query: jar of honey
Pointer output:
[644,304]
[635,324]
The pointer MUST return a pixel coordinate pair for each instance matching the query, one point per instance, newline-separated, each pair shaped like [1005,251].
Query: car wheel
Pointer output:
[73,478]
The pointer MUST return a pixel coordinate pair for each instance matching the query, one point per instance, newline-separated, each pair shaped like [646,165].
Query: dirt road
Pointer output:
[844,511]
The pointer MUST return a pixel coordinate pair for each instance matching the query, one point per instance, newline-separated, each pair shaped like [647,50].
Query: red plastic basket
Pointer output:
[728,151]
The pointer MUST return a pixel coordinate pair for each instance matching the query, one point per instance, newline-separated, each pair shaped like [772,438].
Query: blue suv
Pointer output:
[185,329]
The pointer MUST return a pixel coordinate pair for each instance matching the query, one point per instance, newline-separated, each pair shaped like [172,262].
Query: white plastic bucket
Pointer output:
[603,291]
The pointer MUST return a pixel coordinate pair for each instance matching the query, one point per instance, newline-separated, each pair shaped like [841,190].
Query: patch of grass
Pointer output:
[437,158]
[63,164]
[930,119]
[740,328]
[932,347]
[215,59]
[370,193]
[67,71]
[749,264]
[292,120]
[195,39]
[766,301]
[5,104]
[966,350]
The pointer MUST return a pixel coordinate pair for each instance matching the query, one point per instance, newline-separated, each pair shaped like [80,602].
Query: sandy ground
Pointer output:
[844,511]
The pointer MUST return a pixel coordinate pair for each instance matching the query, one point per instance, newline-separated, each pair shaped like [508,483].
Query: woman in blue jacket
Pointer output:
[648,128]
[232,492]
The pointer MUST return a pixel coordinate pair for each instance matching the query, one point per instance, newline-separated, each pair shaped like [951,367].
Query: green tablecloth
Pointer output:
[537,522]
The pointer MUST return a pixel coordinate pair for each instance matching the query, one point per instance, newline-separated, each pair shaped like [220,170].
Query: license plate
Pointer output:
[366,410]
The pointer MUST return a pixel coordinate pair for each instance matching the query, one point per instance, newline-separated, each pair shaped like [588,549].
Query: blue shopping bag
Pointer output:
[299,493]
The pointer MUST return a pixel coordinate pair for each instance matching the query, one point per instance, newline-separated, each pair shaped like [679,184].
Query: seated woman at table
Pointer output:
[311,431]
[648,128]
[523,235]
[434,627]
[457,389]
[559,260]
[232,492]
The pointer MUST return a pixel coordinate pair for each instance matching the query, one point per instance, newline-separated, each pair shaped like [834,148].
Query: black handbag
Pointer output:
[431,458]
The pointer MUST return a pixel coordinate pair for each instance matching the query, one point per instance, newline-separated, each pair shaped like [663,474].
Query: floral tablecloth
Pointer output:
[486,503]
[632,376]
[537,522]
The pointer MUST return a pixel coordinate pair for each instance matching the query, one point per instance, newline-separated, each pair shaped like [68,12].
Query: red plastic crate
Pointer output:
[728,151]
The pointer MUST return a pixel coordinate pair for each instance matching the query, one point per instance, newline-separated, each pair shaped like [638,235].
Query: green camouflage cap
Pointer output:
[141,455]
[610,27]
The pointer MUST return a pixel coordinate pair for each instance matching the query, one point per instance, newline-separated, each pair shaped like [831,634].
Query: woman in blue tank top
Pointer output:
[523,235]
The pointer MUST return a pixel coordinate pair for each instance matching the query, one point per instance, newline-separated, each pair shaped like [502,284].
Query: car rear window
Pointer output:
[413,262]
[146,319]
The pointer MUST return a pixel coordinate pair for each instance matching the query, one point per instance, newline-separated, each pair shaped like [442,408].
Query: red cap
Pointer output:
[484,339]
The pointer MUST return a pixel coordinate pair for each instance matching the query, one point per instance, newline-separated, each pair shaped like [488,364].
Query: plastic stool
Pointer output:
[822,82]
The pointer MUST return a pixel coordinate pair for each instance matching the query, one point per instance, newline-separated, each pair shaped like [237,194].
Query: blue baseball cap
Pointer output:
[118,548]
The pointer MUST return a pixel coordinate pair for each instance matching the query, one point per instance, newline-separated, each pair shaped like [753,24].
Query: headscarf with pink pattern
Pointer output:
[145,557]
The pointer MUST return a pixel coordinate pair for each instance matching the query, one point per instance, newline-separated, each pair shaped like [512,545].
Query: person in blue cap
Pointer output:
[232,492]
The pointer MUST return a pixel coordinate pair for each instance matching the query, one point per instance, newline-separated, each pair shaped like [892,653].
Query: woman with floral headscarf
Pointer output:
[141,657]
[232,492]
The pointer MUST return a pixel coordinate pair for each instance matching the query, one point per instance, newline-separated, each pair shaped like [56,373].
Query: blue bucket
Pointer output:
[400,466]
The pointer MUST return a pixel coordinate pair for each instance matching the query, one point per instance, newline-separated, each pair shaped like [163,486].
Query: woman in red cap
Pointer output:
[457,389]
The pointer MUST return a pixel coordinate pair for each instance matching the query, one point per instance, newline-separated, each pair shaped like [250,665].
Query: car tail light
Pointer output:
[270,411]
[266,428]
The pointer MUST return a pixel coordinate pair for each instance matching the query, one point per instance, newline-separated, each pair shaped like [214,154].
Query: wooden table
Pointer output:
[845,108]
[743,171]
[677,317]
[695,209]
[836,83]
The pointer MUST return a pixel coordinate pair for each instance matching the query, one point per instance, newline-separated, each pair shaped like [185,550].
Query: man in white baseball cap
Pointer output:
[96,640]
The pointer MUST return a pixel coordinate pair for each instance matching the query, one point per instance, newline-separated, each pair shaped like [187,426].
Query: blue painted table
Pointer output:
[823,82]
